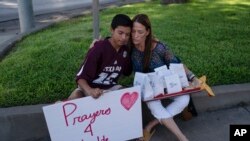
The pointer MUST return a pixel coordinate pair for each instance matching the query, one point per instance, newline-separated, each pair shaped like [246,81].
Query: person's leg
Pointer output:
[147,131]
[77,93]
[178,104]
[186,114]
[191,107]
[151,125]
[115,87]
[172,109]
[165,115]
[158,111]
[172,126]
[175,107]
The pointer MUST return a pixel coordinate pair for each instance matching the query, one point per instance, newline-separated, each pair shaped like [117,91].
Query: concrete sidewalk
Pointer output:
[231,105]
[208,126]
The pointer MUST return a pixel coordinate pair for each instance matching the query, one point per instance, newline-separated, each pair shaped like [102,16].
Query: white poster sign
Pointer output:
[179,69]
[173,83]
[115,116]
[142,80]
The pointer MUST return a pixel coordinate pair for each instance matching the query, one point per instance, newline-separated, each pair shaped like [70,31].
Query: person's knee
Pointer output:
[186,100]
[182,100]
[75,94]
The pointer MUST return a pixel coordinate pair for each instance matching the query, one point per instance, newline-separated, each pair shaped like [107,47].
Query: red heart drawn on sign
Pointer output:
[128,100]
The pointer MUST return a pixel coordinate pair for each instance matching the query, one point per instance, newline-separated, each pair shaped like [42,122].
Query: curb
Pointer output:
[9,44]
[28,122]
[23,123]
[226,96]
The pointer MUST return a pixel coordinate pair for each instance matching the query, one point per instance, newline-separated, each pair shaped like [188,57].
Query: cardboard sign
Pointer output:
[115,116]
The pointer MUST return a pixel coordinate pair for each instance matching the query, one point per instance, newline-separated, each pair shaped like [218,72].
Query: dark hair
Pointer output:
[121,20]
[144,20]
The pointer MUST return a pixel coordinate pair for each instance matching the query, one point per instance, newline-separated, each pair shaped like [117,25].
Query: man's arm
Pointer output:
[94,92]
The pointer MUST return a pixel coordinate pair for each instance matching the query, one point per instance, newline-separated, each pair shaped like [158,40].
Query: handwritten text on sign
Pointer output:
[108,118]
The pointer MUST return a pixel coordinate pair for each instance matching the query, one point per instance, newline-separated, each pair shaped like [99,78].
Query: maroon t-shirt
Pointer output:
[103,65]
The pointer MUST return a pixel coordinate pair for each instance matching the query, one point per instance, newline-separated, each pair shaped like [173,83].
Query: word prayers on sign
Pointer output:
[102,119]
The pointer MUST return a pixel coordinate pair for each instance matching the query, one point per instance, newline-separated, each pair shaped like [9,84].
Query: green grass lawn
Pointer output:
[210,36]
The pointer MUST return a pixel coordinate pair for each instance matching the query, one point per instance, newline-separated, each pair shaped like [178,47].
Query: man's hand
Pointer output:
[95,92]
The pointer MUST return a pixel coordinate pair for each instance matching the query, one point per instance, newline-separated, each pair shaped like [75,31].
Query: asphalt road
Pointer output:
[9,8]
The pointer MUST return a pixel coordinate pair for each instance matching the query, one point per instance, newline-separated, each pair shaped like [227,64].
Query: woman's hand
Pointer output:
[196,82]
[95,40]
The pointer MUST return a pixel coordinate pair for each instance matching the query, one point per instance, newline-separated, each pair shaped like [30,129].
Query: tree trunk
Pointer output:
[173,1]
